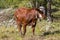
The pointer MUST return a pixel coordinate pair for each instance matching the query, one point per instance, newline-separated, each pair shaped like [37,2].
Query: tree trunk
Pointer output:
[35,3]
[49,10]
[45,5]
[49,18]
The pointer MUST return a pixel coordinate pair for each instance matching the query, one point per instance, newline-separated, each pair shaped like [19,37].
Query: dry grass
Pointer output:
[11,33]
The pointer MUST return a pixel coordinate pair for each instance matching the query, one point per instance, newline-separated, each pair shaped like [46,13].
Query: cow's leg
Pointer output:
[19,27]
[33,28]
[24,29]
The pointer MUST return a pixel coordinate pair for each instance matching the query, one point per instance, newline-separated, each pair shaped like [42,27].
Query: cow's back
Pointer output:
[25,15]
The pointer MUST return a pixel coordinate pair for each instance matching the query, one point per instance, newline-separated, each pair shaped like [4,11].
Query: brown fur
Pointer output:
[26,16]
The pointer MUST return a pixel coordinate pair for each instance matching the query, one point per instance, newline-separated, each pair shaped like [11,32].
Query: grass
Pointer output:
[11,33]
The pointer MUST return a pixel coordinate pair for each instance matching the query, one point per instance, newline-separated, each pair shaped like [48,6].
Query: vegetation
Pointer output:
[11,33]
[26,3]
[56,3]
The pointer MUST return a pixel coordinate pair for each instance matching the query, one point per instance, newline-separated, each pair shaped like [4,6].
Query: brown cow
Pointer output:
[26,16]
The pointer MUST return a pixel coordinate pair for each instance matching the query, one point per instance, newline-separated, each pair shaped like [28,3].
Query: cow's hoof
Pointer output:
[20,33]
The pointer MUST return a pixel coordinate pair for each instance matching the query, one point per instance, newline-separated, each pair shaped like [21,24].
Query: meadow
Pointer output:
[11,33]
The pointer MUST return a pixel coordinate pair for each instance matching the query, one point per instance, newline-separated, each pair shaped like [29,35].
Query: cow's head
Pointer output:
[41,15]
